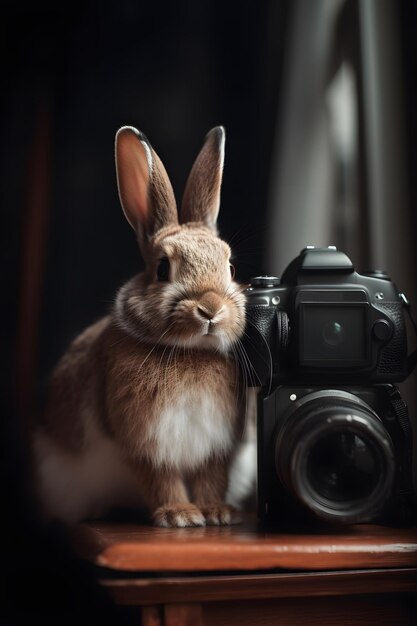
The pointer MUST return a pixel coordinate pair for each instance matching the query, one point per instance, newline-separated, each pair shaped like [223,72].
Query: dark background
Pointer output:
[72,74]
[75,76]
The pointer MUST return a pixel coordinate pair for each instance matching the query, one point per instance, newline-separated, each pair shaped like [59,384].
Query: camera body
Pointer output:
[326,344]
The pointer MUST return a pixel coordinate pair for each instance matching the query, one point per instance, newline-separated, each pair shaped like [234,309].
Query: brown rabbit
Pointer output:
[144,407]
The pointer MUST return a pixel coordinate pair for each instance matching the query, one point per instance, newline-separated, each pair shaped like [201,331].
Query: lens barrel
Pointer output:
[333,453]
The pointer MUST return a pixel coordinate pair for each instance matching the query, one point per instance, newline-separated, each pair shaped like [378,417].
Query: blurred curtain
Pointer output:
[341,139]
[301,196]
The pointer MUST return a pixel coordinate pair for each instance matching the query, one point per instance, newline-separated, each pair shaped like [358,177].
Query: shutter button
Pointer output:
[265,281]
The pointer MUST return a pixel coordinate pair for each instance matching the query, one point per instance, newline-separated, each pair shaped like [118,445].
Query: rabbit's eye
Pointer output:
[163,269]
[232,270]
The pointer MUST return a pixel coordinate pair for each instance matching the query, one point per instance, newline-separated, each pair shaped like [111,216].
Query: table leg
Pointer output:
[183,615]
[151,616]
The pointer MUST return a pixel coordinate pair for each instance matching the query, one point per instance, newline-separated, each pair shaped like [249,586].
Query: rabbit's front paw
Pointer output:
[220,515]
[178,516]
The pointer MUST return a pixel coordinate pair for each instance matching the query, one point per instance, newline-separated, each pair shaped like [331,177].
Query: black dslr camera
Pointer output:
[326,344]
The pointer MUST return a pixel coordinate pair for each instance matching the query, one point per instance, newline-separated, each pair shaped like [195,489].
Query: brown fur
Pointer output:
[164,341]
[76,380]
[140,384]
[201,199]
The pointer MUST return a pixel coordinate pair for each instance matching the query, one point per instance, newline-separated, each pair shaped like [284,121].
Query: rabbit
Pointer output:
[146,408]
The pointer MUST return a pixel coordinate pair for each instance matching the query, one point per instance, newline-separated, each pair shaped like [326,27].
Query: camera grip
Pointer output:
[393,356]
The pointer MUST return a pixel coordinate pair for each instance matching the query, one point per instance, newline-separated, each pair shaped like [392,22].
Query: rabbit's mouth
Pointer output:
[207,341]
[211,333]
[210,329]
[206,335]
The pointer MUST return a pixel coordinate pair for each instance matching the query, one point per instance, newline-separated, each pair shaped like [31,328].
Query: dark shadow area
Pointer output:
[73,73]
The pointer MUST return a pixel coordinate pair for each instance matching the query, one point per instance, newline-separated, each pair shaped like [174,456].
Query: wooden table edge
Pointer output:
[149,591]
[130,548]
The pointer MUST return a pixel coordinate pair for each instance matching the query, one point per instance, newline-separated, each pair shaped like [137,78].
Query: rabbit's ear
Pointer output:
[201,201]
[145,191]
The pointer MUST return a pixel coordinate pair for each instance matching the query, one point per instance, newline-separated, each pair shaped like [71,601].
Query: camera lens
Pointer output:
[335,456]
[333,333]
[343,466]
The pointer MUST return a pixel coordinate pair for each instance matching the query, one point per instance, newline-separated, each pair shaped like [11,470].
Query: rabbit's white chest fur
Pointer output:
[190,429]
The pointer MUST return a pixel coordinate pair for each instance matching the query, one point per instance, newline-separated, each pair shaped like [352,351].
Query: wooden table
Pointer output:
[244,576]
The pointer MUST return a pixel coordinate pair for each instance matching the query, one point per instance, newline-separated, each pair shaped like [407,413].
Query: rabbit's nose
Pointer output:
[208,315]
[210,305]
